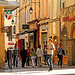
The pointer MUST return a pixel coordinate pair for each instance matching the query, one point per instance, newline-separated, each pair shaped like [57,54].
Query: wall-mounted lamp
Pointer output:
[30,10]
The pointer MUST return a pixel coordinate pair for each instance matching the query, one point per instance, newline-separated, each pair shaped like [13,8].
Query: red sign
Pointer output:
[10,43]
[68,19]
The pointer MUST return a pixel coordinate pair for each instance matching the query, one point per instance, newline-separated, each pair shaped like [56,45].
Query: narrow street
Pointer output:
[28,70]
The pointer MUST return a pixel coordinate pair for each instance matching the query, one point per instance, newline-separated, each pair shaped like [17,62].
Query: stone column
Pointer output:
[69,42]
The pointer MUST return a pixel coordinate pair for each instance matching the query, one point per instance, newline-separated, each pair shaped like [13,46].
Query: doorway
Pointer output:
[73,46]
[43,39]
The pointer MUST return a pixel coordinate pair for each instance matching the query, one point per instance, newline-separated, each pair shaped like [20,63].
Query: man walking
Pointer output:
[60,50]
[15,55]
[39,54]
[49,56]
[23,54]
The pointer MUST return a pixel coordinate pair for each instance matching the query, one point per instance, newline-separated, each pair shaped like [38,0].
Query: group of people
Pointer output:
[36,54]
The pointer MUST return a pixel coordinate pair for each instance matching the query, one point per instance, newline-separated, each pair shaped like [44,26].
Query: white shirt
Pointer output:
[50,47]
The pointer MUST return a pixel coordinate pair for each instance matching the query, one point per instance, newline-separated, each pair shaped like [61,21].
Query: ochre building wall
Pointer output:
[2,43]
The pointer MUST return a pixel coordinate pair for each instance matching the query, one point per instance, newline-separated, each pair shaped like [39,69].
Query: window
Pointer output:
[63,5]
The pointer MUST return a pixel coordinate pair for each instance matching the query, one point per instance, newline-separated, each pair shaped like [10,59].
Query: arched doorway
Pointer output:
[64,45]
[55,41]
[73,45]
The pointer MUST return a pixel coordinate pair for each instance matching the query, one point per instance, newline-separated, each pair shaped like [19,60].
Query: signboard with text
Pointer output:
[68,19]
[11,44]
[5,29]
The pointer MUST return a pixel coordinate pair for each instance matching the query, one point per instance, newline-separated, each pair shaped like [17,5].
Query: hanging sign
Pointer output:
[10,44]
[5,29]
[8,14]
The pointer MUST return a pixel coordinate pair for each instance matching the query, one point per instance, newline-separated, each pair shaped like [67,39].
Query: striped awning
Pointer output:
[9,5]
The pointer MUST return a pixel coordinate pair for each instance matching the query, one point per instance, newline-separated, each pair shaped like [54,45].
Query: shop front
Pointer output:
[68,35]
[33,34]
[43,32]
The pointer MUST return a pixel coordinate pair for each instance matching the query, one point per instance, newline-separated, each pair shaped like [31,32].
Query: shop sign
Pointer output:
[43,28]
[11,44]
[8,14]
[5,29]
[68,19]
[25,26]
[32,26]
[22,36]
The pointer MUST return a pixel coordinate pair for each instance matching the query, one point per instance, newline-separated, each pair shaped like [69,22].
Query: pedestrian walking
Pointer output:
[32,54]
[49,56]
[60,54]
[8,56]
[39,54]
[28,56]
[45,53]
[23,54]
[15,56]
[35,56]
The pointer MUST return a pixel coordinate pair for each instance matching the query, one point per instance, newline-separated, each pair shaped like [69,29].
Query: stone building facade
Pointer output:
[50,13]
[2,39]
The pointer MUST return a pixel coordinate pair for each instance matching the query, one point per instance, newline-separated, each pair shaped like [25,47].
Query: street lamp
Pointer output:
[30,10]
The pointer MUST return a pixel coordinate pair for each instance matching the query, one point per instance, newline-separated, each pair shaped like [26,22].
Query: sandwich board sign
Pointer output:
[10,45]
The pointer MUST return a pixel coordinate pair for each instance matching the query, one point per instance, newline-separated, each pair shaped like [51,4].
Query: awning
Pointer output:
[9,5]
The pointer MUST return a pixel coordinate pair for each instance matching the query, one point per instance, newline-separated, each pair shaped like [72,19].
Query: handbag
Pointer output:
[63,52]
[58,55]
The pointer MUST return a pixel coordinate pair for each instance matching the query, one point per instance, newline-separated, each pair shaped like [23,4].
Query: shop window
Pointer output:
[44,39]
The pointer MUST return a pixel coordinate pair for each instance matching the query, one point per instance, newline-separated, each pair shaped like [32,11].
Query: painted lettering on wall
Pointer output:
[68,19]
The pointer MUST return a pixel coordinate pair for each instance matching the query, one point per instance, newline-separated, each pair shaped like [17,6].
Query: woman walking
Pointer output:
[32,53]
[45,53]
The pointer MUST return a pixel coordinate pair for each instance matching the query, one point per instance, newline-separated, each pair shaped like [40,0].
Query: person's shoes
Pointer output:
[40,66]
[49,70]
[16,66]
[23,67]
[58,64]
[61,66]
[45,64]
[33,66]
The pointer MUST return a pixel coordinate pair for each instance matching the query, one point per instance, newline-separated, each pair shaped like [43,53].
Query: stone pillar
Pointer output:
[2,39]
[69,42]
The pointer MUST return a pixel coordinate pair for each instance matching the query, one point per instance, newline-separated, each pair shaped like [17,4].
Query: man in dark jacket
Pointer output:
[23,54]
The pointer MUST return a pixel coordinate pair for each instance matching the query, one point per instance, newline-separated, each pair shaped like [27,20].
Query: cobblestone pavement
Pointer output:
[28,70]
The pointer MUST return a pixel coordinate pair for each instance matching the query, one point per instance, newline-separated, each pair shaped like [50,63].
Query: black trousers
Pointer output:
[28,61]
[60,60]
[23,61]
[36,61]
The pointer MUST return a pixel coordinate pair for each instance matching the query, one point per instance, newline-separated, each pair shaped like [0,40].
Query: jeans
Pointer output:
[60,60]
[49,61]
[15,58]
